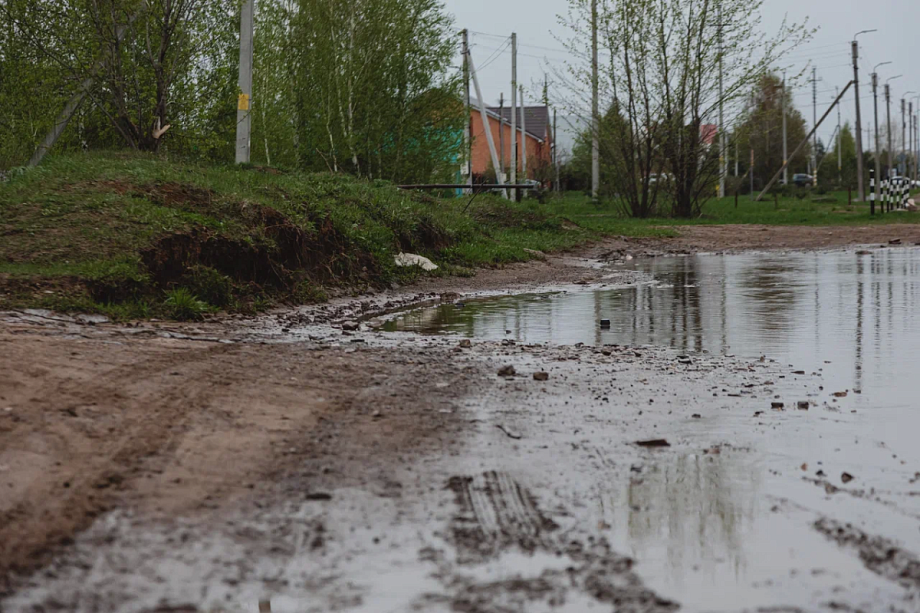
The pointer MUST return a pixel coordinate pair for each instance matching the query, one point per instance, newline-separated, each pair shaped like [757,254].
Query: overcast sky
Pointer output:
[897,40]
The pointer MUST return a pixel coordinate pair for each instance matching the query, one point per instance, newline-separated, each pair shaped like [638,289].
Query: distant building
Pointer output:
[539,138]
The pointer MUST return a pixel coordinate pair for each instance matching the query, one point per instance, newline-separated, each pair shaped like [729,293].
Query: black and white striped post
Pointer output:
[872,191]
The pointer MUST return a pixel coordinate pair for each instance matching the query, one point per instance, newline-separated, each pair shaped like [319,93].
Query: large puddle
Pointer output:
[849,315]
[702,526]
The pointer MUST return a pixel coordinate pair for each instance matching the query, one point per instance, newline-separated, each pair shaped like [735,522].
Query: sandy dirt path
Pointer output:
[159,467]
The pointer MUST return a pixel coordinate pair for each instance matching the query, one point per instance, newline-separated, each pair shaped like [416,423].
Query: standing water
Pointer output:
[705,529]
[850,315]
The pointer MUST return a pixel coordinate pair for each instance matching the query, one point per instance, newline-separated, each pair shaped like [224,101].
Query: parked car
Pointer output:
[803,180]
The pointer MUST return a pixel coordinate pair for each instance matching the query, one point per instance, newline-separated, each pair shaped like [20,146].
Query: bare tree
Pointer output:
[662,79]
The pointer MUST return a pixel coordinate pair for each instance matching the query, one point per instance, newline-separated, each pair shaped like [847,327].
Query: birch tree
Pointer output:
[672,64]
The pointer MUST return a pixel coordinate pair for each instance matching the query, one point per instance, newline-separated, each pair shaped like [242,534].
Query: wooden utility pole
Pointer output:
[501,137]
[523,139]
[514,134]
[595,109]
[468,129]
[485,119]
[244,102]
[903,147]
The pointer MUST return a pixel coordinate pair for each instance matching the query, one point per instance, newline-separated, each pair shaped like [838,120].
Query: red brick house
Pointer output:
[538,137]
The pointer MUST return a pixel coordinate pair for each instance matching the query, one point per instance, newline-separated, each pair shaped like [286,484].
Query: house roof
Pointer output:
[536,118]
[534,115]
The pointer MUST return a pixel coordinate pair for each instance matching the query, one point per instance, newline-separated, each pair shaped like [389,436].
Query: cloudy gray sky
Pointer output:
[897,40]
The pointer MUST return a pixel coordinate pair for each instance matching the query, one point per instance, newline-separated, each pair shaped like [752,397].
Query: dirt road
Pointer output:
[160,467]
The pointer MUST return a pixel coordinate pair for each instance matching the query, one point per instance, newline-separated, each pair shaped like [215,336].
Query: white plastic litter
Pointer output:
[410,259]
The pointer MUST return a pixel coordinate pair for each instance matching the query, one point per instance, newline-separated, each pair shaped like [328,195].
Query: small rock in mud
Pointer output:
[777,406]
[465,343]
[350,326]
[507,342]
[839,394]
[658,442]
[895,241]
[798,372]
[803,405]
[863,252]
[318,496]
[506,371]
[377,414]
[541,376]
[846,477]
[696,416]
[605,323]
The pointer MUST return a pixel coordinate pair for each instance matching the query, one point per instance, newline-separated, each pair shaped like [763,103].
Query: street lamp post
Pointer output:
[859,144]
[878,164]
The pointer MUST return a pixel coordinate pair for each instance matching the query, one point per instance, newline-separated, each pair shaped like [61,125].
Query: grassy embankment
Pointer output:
[136,236]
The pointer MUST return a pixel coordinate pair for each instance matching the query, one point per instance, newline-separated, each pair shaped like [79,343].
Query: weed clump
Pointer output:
[183,305]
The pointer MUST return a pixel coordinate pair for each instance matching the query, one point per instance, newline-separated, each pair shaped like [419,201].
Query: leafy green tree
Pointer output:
[846,176]
[761,129]
[371,90]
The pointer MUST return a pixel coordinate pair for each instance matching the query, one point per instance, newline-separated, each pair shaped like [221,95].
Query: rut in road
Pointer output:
[495,514]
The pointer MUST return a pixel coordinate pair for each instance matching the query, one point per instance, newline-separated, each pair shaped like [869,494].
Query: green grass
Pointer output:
[830,209]
[136,236]
[120,233]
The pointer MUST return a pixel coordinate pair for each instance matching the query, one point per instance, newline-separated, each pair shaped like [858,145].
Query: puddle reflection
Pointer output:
[691,512]
[854,311]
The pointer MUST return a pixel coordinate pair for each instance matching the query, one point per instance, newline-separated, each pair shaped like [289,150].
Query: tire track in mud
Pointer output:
[881,556]
[496,515]
[497,512]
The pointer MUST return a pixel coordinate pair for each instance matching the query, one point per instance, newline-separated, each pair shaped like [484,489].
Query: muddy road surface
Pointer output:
[286,464]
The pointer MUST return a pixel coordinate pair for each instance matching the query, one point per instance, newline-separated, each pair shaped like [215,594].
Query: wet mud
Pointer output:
[296,463]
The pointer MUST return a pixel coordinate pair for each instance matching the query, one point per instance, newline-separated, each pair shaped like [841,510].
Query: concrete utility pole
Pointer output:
[595,109]
[861,181]
[906,136]
[244,103]
[468,129]
[910,140]
[888,128]
[523,138]
[514,134]
[501,137]
[814,104]
[723,167]
[878,165]
[485,119]
[839,152]
[737,149]
[903,146]
[785,139]
[556,151]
